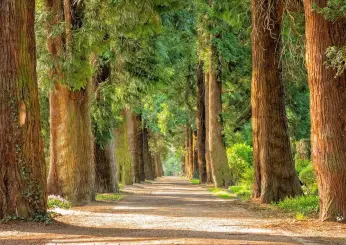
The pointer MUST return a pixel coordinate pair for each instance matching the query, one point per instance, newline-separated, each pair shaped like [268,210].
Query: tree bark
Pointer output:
[22,164]
[122,152]
[106,168]
[207,147]
[221,172]
[328,112]
[148,166]
[140,148]
[72,167]
[200,122]
[132,126]
[275,174]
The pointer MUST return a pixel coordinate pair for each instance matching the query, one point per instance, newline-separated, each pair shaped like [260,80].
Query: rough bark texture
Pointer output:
[106,168]
[148,166]
[22,164]
[221,173]
[207,148]
[275,174]
[200,122]
[328,111]
[140,148]
[71,171]
[132,138]
[122,152]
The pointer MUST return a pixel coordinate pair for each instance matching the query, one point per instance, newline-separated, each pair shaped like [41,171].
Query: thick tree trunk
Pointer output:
[148,166]
[72,167]
[200,122]
[140,148]
[207,148]
[328,111]
[106,168]
[122,152]
[221,172]
[275,174]
[22,164]
[132,126]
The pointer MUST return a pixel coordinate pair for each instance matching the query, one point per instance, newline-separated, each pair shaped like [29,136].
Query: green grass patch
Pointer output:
[109,197]
[222,193]
[195,181]
[58,202]
[301,206]
[243,192]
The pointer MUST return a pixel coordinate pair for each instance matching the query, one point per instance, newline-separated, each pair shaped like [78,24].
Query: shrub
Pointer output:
[58,202]
[307,176]
[302,205]
[109,197]
[239,160]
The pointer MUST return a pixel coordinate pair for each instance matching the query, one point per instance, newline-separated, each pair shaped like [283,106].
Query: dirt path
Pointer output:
[167,211]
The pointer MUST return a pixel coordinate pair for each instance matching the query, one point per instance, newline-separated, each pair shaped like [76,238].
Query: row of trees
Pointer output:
[275,174]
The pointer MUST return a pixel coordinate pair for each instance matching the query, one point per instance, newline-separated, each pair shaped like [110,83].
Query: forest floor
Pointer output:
[172,211]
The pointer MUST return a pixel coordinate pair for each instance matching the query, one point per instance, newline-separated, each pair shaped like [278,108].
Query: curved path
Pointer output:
[167,211]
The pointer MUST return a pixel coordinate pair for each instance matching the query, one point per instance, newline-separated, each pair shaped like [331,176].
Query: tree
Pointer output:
[22,165]
[71,172]
[275,174]
[327,99]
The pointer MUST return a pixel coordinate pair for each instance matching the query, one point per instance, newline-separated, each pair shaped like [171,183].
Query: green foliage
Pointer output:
[58,202]
[307,176]
[222,193]
[109,197]
[302,205]
[195,181]
[240,160]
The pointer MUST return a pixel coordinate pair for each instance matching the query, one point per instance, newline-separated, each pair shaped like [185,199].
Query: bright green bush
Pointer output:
[240,160]
[307,176]
[301,164]
[58,202]
[302,205]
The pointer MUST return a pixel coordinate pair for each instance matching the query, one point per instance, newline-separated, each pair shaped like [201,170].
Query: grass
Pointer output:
[109,197]
[195,181]
[243,192]
[222,193]
[302,206]
[58,202]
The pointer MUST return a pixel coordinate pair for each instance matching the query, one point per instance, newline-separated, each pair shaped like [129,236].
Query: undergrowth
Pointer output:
[109,197]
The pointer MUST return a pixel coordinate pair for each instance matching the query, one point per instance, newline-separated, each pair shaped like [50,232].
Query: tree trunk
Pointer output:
[122,152]
[221,172]
[200,122]
[22,164]
[328,112]
[106,168]
[132,126]
[140,148]
[275,174]
[148,166]
[207,148]
[72,167]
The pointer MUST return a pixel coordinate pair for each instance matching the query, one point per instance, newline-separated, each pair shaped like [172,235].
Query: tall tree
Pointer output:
[328,113]
[275,174]
[200,121]
[71,171]
[22,165]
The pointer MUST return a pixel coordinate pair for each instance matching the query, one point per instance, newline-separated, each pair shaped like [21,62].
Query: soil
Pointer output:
[172,211]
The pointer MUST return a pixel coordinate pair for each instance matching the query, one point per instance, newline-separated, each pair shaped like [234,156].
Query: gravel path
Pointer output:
[167,211]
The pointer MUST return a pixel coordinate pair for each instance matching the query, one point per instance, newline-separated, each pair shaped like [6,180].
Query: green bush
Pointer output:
[240,160]
[307,176]
[301,164]
[302,205]
[58,202]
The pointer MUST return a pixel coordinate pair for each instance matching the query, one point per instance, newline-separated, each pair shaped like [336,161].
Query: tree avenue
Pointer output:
[245,98]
